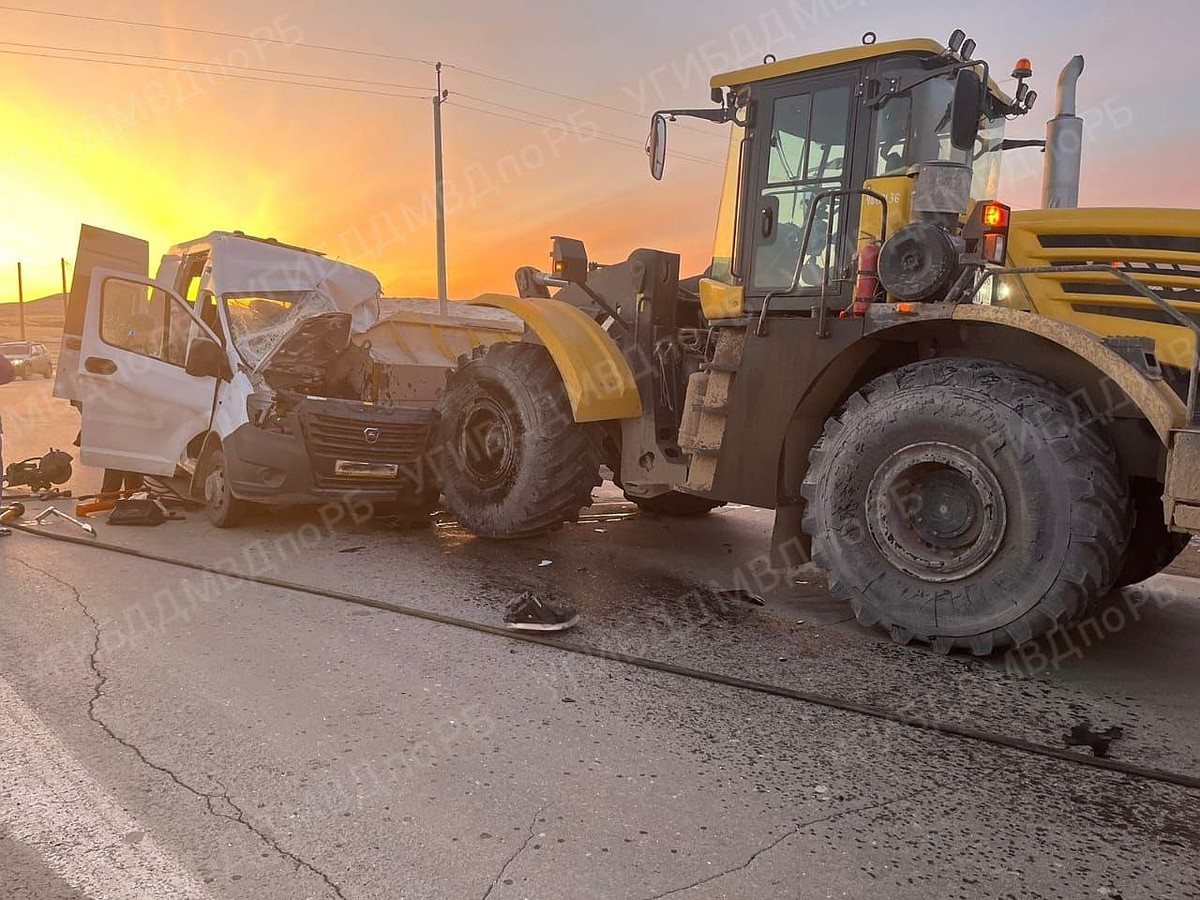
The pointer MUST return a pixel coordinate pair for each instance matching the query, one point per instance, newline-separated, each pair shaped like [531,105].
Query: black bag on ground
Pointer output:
[136,512]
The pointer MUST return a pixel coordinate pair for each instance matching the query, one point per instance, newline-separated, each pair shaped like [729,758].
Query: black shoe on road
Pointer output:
[528,613]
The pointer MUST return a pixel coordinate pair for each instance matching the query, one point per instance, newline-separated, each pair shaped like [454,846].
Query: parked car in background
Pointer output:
[28,358]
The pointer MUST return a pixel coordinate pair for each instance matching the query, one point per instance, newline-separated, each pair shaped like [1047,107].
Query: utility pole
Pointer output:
[21,300]
[440,192]
[62,261]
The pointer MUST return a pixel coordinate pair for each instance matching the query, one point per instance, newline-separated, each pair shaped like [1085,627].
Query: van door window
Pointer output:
[136,318]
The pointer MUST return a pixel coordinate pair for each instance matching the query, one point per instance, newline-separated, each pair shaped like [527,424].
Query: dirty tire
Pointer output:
[1152,546]
[675,504]
[223,509]
[1014,515]
[515,462]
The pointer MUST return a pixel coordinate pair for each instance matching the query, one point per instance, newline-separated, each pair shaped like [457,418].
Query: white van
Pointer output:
[238,365]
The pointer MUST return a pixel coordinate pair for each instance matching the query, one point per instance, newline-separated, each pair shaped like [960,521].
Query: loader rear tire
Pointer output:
[965,504]
[1152,546]
[675,505]
[515,463]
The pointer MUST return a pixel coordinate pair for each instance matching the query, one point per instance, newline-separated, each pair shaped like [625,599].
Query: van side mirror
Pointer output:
[968,107]
[656,145]
[206,359]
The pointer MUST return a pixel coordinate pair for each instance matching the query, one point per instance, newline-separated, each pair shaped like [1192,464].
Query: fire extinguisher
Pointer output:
[866,286]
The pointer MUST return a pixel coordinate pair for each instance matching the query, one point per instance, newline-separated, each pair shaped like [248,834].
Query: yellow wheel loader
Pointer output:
[977,420]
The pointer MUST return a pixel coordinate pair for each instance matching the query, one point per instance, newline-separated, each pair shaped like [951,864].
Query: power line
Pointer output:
[633,142]
[348,50]
[136,65]
[218,65]
[541,90]
[214,33]
[598,136]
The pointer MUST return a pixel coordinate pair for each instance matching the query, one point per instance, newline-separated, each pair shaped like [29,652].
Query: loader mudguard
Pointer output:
[599,382]
[1157,402]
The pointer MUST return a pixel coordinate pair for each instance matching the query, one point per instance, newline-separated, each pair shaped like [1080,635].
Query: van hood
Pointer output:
[300,361]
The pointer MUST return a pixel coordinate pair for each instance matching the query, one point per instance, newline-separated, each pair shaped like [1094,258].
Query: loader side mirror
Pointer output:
[968,107]
[656,145]
[206,359]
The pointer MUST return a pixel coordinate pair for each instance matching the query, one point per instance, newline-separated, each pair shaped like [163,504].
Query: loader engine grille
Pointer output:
[1168,265]
[332,439]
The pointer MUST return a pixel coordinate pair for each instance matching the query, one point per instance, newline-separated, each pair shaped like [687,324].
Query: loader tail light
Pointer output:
[995,216]
[986,232]
[994,248]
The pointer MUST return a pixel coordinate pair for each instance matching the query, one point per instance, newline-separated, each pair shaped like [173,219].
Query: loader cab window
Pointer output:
[807,152]
[915,127]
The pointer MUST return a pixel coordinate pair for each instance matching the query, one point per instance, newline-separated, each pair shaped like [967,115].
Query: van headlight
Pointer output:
[260,408]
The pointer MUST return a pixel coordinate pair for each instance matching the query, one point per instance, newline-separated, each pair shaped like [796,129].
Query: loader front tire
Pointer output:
[965,504]
[514,462]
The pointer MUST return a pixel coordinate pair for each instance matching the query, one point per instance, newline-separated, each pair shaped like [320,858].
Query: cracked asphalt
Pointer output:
[165,733]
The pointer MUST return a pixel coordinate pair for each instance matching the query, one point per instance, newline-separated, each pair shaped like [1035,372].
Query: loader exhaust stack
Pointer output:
[1064,144]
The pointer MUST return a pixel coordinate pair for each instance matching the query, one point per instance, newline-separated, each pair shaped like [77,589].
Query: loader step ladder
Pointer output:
[707,407]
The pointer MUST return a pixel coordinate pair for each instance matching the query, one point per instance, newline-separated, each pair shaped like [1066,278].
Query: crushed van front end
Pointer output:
[330,449]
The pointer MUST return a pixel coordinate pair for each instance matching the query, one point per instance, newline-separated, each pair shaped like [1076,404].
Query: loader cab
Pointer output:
[811,131]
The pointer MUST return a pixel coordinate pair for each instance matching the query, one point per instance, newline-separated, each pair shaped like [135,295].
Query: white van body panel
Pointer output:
[139,412]
[98,248]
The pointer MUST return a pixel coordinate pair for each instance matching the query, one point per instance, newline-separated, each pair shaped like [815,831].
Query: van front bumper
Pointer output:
[336,449]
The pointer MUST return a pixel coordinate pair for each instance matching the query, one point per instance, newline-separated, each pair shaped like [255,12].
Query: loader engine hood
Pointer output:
[301,360]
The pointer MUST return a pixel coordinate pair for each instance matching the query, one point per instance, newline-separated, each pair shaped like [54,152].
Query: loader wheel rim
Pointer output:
[487,443]
[936,512]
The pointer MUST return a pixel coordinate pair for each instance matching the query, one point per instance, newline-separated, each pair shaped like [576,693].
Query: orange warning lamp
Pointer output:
[1023,69]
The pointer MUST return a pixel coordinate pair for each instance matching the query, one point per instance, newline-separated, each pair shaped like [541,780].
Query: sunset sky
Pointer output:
[171,156]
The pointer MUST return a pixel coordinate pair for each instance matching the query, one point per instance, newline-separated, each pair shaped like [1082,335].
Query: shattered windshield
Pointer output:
[259,322]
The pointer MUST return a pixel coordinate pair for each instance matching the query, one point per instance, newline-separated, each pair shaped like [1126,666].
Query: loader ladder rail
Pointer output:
[1142,290]
[832,198]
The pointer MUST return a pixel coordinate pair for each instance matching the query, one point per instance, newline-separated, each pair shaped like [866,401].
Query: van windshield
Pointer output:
[258,322]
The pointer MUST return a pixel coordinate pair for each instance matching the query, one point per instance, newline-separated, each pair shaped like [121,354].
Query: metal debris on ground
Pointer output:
[40,519]
[743,595]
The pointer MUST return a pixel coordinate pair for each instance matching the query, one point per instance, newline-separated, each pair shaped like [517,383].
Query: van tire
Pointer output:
[514,462]
[223,509]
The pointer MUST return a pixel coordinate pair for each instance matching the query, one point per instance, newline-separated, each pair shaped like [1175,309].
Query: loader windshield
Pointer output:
[915,127]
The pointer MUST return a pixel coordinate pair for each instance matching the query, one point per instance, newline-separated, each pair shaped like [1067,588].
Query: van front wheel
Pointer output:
[224,510]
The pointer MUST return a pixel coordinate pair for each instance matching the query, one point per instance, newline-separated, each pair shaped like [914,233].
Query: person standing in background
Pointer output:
[7,374]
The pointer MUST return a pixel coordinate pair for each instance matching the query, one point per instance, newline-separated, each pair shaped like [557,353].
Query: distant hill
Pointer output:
[45,309]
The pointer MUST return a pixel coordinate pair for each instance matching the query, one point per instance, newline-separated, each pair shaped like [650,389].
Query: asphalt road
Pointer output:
[165,733]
